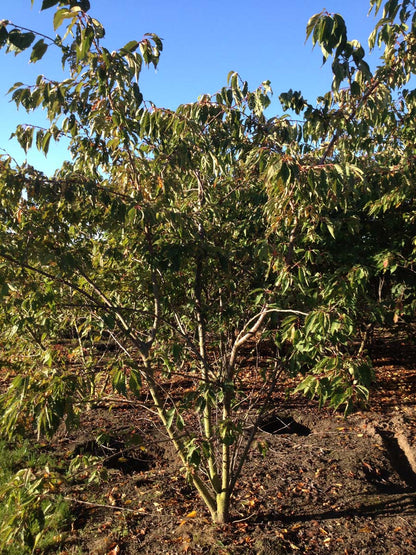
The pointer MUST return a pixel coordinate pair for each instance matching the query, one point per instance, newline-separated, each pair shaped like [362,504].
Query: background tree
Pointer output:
[341,198]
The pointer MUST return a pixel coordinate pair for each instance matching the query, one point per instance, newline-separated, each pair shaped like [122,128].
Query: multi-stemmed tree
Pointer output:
[179,236]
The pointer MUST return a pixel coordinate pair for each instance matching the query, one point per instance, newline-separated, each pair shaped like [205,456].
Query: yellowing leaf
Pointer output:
[365,530]
[192,514]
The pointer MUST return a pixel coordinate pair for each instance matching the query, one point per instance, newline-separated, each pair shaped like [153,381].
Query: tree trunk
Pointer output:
[223,507]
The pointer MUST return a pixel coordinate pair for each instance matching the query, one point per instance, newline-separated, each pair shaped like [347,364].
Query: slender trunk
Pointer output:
[223,498]
[229,475]
[206,494]
[180,448]
[207,413]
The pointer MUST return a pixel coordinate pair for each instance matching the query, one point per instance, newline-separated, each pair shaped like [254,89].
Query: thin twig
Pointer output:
[101,505]
[245,518]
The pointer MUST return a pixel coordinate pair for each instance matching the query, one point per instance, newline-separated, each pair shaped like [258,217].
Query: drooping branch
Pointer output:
[107,306]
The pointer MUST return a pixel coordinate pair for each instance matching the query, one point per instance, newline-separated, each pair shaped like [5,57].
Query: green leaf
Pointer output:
[135,383]
[311,25]
[84,44]
[4,291]
[38,51]
[3,35]
[157,40]
[330,229]
[20,40]
[84,5]
[180,423]
[355,89]
[131,216]
[49,4]
[130,46]
[60,16]
[119,382]
[45,142]
[170,414]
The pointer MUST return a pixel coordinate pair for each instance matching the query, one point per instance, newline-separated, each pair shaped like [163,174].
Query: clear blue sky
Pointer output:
[203,41]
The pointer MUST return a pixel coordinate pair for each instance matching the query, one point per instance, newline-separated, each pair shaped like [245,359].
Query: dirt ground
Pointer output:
[325,485]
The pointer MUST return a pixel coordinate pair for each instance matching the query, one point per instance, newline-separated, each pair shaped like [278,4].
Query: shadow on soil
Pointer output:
[402,504]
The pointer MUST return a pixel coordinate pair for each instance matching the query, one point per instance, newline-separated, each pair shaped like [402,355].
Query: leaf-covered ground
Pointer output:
[325,485]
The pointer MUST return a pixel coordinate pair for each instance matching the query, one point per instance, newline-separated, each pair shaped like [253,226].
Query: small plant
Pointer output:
[86,468]
[31,511]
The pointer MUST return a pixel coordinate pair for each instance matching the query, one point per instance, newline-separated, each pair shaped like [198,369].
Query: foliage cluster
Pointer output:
[173,238]
[31,512]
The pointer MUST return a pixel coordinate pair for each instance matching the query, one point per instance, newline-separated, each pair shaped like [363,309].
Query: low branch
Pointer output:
[101,505]
[57,279]
[243,457]
[258,319]
[106,307]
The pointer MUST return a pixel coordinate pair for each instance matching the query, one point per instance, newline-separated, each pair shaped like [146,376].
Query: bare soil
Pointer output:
[325,485]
